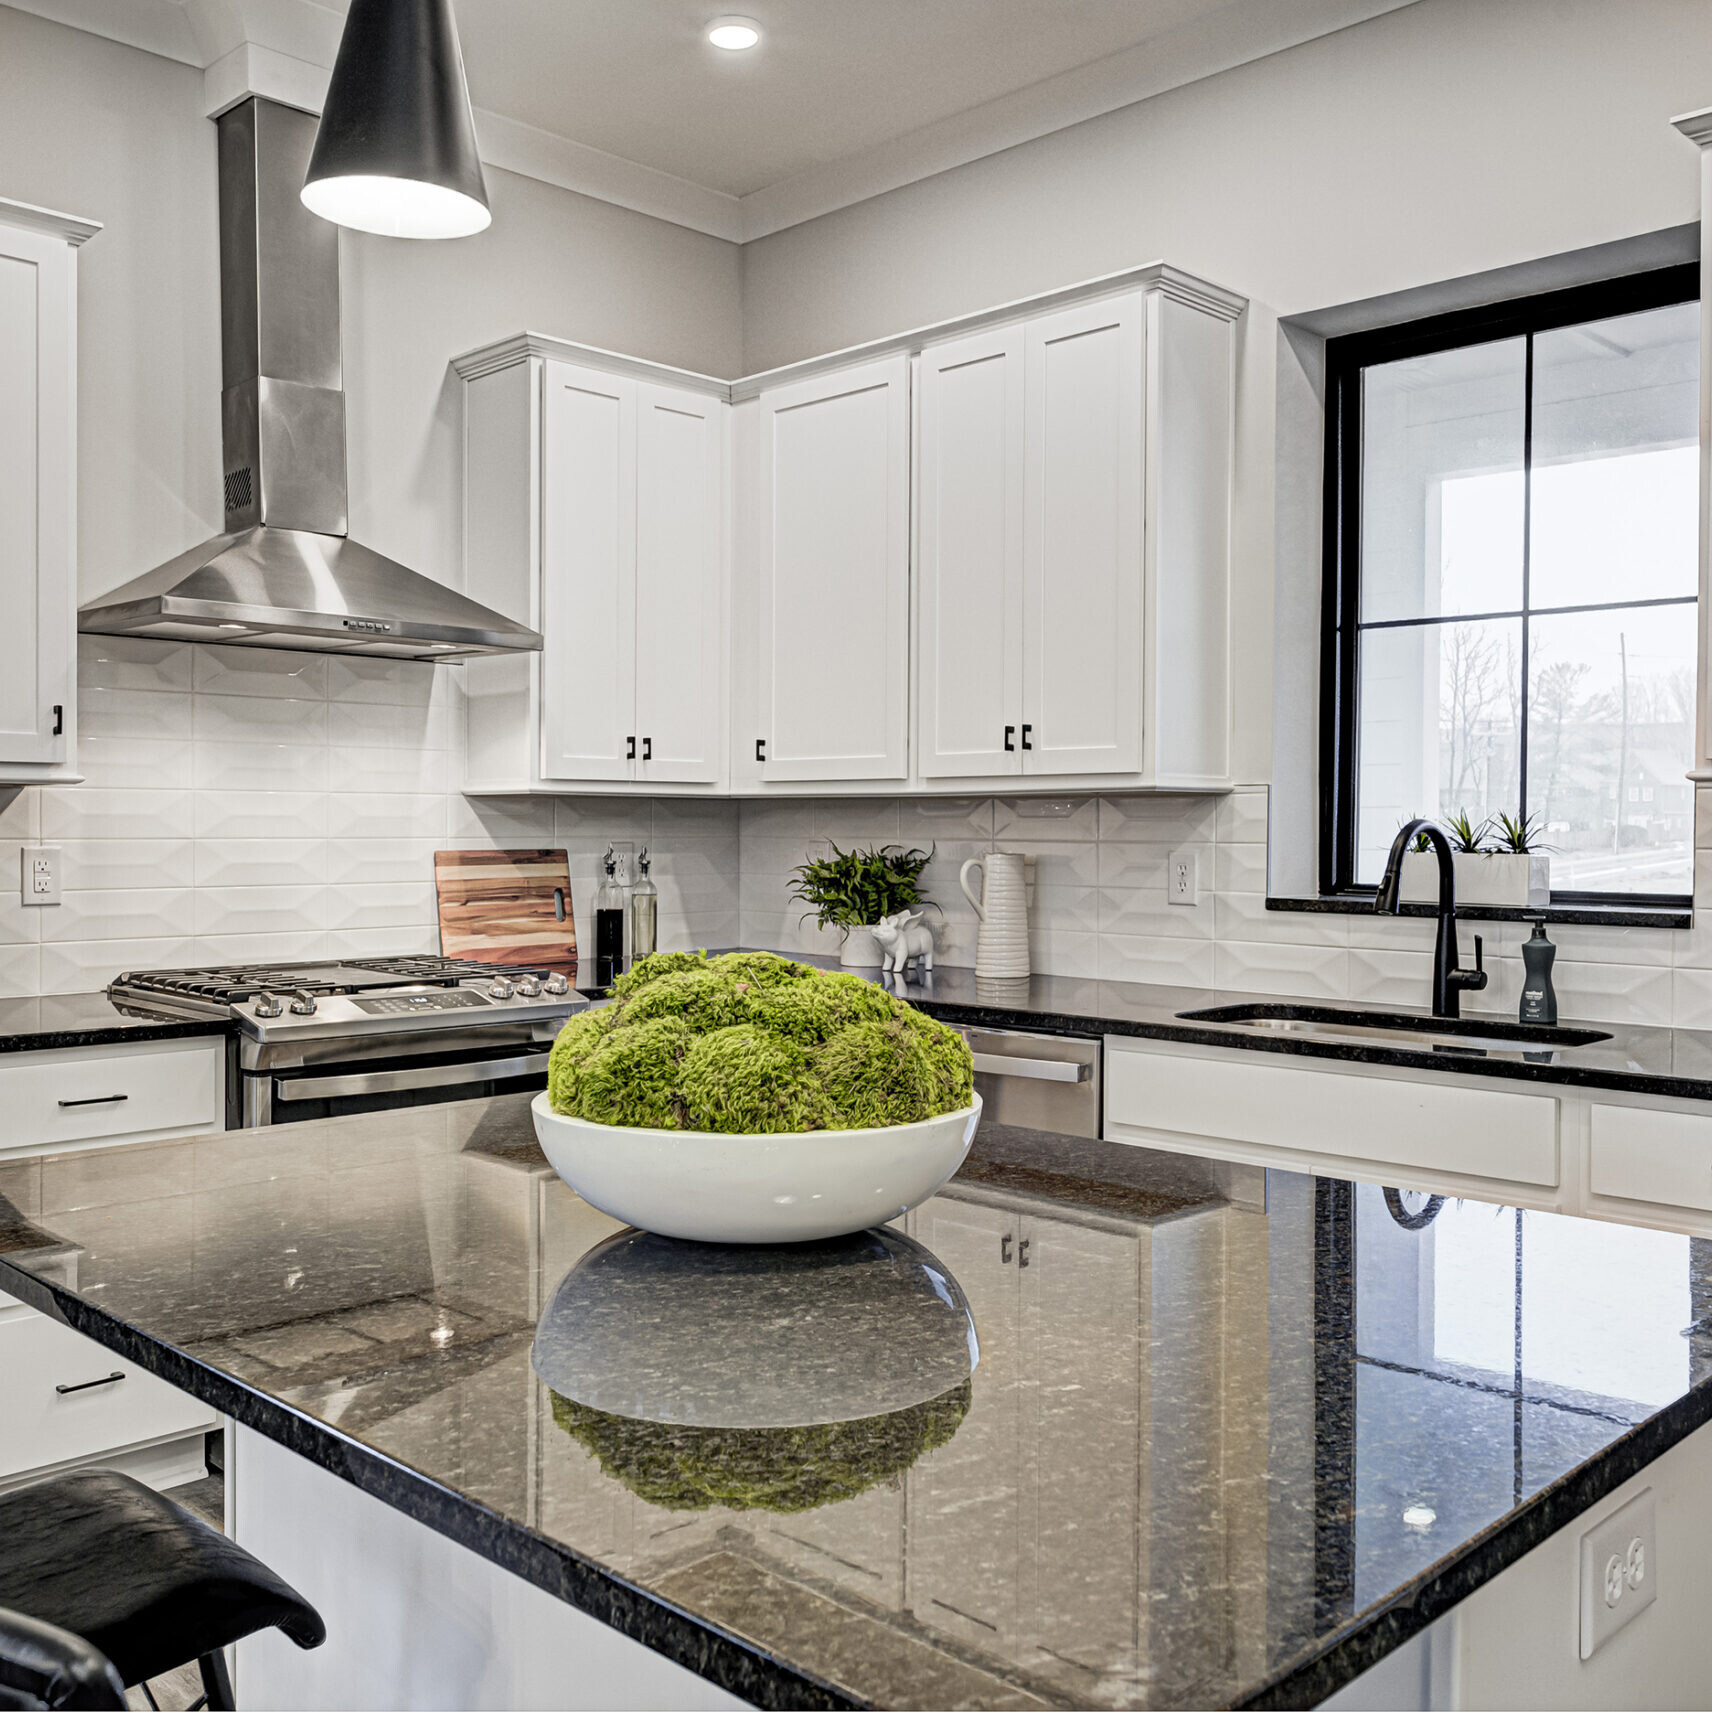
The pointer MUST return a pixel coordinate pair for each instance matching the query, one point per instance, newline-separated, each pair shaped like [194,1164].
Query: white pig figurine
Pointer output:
[902,938]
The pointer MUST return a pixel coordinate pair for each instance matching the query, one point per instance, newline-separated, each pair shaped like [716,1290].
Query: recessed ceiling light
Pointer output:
[734,34]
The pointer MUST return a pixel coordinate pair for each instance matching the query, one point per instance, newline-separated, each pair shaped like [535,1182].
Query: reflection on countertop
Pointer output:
[1218,1416]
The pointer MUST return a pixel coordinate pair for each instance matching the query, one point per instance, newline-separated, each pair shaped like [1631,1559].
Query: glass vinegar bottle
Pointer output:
[644,912]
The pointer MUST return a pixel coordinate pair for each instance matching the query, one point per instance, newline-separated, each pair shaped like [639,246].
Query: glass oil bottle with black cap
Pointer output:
[609,925]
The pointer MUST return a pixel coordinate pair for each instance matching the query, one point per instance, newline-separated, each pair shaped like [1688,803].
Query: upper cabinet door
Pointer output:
[834,576]
[37,497]
[1083,564]
[969,549]
[588,574]
[680,585]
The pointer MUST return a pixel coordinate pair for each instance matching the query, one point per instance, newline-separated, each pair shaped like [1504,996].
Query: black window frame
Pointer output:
[1346,357]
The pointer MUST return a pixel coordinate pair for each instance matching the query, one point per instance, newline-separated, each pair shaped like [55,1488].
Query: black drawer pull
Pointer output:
[97,1100]
[1010,739]
[760,748]
[1025,739]
[647,748]
[88,1384]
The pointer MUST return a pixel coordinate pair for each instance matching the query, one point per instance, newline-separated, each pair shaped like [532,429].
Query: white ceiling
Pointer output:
[843,99]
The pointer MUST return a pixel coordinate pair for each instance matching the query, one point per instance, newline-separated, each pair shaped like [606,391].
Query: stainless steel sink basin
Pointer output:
[1396,1028]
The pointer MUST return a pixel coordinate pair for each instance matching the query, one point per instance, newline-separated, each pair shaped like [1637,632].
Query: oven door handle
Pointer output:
[1032,1069]
[400,1081]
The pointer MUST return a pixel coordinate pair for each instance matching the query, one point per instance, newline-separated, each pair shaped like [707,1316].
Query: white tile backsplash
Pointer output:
[254,803]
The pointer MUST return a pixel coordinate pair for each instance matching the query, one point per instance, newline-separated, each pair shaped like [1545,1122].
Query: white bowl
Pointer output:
[755,1188]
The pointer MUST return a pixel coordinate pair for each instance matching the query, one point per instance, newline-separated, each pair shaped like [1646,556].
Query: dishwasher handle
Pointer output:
[1031,1069]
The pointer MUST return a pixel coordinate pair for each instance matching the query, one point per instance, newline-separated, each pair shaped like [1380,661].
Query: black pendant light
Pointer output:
[396,152]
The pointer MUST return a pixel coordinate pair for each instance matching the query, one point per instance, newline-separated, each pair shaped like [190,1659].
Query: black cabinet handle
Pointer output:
[59,721]
[97,1100]
[1025,742]
[89,1384]
[760,748]
[630,749]
[1022,1252]
[1010,739]
[647,748]
[1005,1250]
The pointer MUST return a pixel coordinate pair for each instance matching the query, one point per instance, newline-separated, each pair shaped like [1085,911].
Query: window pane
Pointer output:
[1616,462]
[1610,736]
[1439,710]
[1441,483]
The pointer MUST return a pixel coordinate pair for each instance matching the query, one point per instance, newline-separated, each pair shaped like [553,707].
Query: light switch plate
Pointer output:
[1619,1571]
[38,878]
[1183,877]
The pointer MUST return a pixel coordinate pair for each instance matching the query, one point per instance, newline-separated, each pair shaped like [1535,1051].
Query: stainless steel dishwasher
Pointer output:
[1038,1081]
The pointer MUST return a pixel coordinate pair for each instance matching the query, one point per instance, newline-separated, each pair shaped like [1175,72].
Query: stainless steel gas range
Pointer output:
[363,1033]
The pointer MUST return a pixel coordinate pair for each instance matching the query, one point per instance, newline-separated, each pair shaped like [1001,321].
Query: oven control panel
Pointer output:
[408,1004]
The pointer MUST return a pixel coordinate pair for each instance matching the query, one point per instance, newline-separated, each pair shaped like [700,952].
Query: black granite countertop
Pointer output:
[1639,1060]
[90,1019]
[1232,1436]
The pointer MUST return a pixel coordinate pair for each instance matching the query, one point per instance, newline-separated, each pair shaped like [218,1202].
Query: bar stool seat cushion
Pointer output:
[137,1575]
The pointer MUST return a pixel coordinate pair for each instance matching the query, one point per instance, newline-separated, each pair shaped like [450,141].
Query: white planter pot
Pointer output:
[755,1188]
[860,950]
[1502,881]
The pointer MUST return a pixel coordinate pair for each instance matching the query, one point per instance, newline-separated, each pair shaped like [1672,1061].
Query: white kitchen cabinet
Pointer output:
[595,509]
[1074,474]
[38,492]
[833,576]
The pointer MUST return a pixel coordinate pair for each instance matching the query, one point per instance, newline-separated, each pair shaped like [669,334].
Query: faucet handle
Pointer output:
[1479,955]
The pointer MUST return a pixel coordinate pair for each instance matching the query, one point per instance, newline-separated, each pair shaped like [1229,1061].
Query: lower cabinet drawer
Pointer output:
[1473,1132]
[50,1099]
[1642,1154]
[42,1426]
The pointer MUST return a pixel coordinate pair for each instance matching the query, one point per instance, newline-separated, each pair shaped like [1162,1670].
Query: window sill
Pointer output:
[1579,915]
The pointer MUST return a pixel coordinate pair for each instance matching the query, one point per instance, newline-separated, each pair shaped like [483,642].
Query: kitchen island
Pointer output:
[1233,1437]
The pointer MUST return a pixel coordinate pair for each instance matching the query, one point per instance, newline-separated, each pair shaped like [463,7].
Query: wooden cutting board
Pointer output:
[507,906]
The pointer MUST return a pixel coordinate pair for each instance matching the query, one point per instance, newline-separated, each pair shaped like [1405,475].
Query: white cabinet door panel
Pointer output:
[36,498]
[588,560]
[834,576]
[679,586]
[969,552]
[1083,569]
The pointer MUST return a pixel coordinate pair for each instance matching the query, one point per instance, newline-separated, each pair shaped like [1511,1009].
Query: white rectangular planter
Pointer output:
[1501,881]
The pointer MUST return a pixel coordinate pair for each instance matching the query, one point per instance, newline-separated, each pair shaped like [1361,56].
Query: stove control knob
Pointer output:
[302,1003]
[556,985]
[268,1006]
[527,987]
[499,988]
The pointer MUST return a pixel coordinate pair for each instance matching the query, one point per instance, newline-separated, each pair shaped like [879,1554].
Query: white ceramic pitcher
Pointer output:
[1001,947]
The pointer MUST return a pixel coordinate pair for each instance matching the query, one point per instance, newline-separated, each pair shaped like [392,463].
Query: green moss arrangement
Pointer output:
[753,1044]
[782,1469]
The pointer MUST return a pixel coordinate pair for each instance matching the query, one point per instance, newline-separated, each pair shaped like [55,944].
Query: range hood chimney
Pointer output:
[286,575]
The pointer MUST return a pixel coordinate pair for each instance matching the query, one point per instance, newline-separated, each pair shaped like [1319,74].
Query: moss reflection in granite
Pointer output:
[753,1044]
[782,1469]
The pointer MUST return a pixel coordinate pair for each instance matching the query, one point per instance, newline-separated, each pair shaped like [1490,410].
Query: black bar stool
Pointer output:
[139,1578]
[45,1667]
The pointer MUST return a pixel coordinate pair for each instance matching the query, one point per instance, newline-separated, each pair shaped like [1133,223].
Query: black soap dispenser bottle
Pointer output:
[1539,1000]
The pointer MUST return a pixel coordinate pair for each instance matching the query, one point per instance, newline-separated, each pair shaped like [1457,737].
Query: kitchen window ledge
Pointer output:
[1672,914]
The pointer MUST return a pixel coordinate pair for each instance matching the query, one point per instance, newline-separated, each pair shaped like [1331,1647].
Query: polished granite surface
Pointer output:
[1230,1437]
[89,1019]
[1671,1061]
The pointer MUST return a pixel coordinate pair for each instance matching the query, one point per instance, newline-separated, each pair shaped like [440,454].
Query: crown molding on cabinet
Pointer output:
[284,48]
[1173,282]
[71,227]
[1696,126]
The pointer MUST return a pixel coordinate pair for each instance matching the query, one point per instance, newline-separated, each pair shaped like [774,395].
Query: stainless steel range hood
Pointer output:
[286,575]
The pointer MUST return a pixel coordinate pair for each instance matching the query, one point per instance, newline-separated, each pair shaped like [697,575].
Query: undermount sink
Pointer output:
[1396,1028]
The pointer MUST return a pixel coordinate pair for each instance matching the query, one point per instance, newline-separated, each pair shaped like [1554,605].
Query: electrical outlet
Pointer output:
[39,879]
[1183,878]
[1619,1571]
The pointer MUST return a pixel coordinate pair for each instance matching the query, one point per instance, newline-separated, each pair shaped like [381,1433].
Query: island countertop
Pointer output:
[1232,1436]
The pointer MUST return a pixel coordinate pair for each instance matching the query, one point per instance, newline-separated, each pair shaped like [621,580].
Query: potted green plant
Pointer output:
[1499,863]
[749,1098]
[854,890]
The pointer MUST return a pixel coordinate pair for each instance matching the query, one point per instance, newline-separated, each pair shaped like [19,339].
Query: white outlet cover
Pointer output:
[38,874]
[1183,878]
[1619,1571]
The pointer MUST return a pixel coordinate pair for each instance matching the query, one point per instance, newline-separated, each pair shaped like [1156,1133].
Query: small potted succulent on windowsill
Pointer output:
[855,890]
[1499,863]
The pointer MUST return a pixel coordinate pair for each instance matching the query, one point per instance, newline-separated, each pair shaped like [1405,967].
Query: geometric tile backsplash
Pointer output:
[244,803]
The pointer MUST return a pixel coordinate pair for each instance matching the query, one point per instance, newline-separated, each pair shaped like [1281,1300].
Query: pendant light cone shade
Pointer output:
[396,151]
